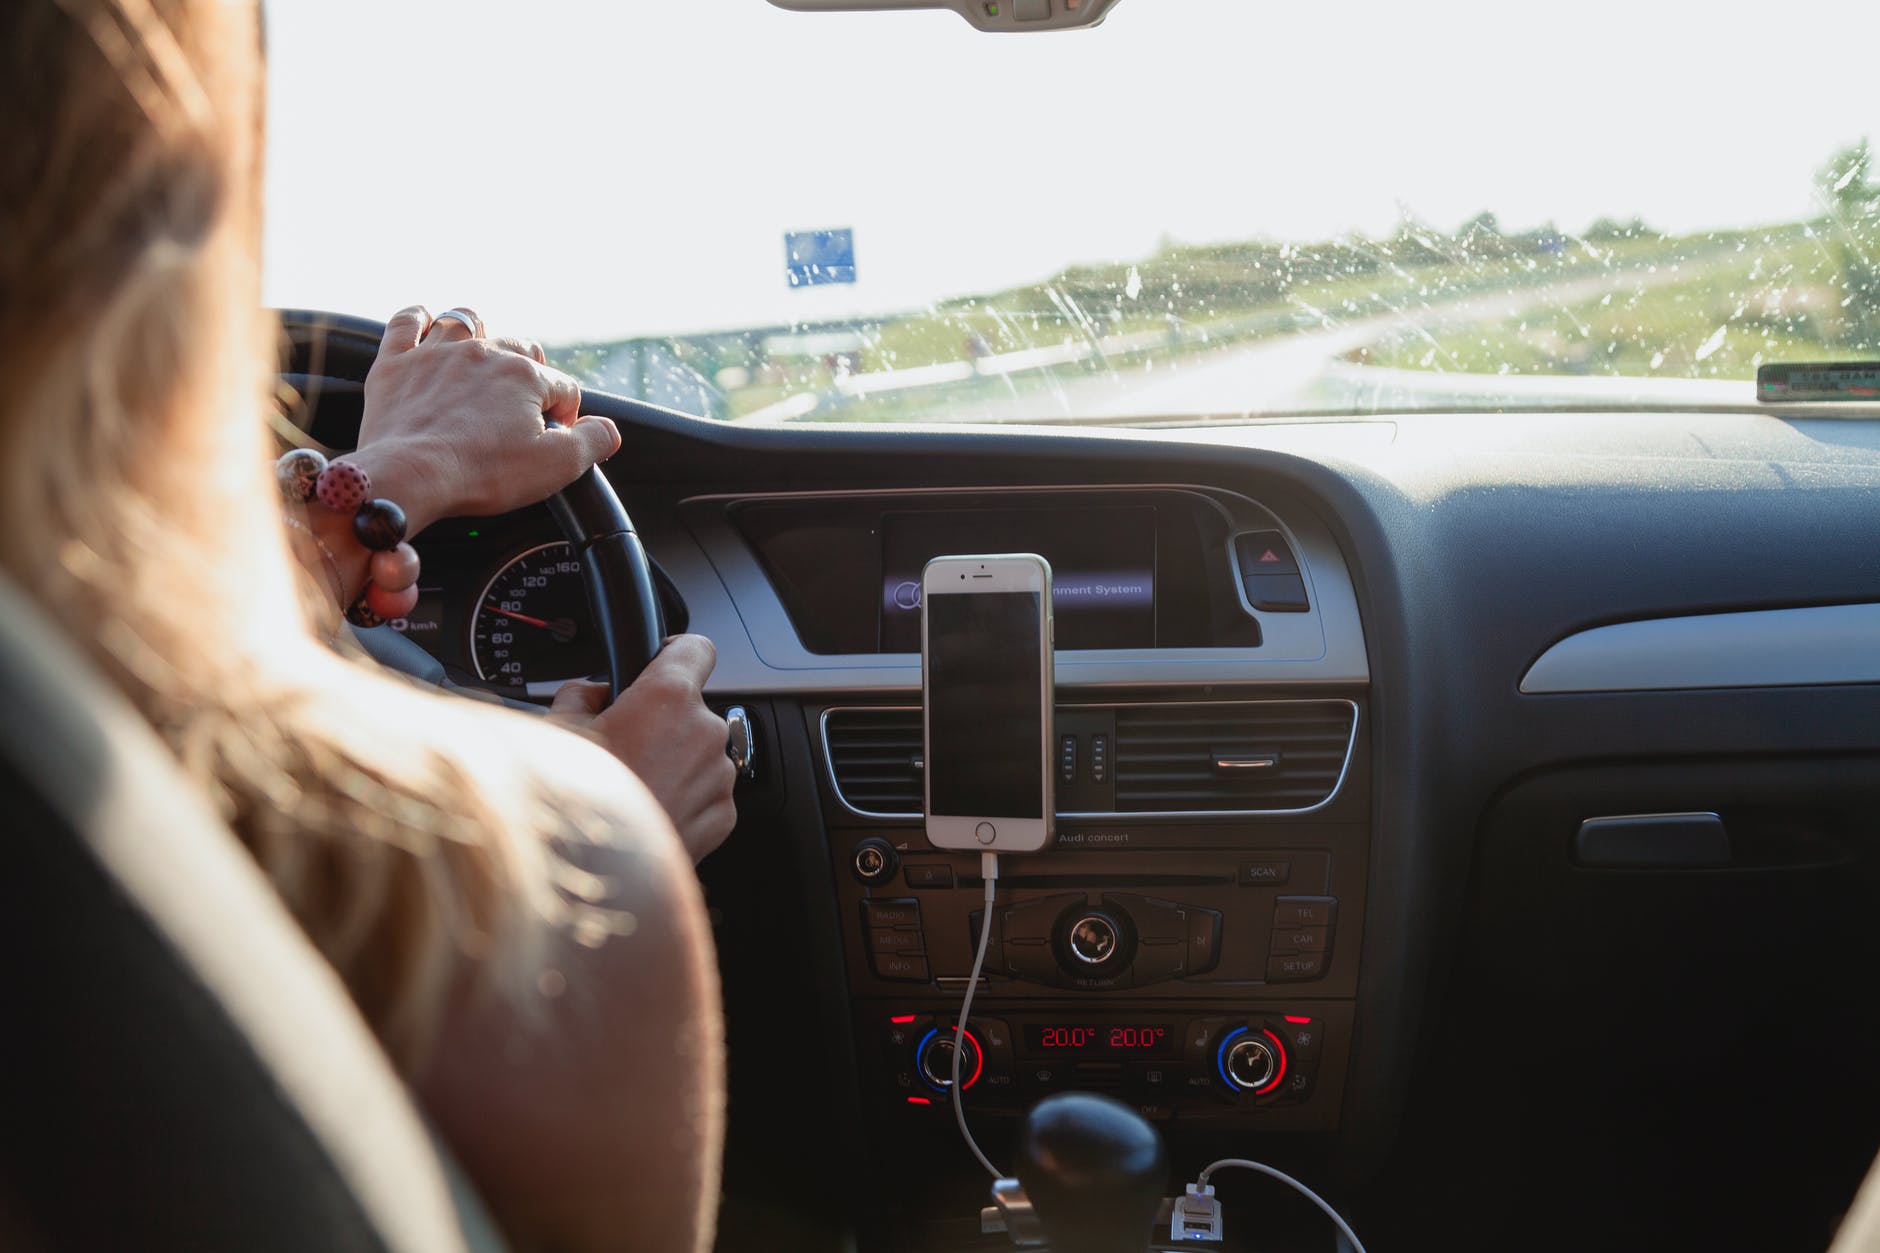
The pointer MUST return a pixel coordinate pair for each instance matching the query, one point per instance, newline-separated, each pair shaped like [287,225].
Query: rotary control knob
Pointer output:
[1094,943]
[935,1059]
[875,861]
[1093,939]
[1252,1061]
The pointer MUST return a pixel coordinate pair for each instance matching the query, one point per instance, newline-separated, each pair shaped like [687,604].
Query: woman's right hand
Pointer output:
[458,424]
[662,729]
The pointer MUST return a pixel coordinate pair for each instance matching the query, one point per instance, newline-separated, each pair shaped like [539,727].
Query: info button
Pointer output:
[1265,873]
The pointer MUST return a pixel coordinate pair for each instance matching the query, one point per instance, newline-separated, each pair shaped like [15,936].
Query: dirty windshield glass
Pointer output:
[1201,209]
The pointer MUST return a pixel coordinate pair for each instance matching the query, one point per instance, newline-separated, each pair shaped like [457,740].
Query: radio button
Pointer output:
[891,913]
[1302,939]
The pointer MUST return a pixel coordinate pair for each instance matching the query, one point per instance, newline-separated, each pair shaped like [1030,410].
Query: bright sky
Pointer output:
[599,169]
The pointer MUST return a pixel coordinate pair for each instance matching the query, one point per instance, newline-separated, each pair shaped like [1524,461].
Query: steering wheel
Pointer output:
[614,565]
[616,572]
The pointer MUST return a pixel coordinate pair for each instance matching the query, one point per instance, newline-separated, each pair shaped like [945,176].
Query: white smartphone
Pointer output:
[986,683]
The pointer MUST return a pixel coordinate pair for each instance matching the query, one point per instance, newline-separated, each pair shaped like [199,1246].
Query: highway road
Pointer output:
[1302,371]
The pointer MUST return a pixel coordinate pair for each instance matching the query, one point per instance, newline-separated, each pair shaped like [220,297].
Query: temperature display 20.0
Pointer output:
[1099,1039]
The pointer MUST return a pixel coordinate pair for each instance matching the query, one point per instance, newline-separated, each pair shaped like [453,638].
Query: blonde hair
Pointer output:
[138,505]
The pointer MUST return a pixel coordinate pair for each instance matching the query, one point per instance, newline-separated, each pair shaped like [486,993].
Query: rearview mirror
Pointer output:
[1000,15]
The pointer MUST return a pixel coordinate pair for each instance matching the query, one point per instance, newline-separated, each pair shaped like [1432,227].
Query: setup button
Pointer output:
[985,833]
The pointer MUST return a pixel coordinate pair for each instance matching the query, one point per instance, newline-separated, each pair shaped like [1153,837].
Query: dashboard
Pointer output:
[1554,899]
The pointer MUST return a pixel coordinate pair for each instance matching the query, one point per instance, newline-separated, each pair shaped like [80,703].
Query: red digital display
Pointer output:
[1099,1039]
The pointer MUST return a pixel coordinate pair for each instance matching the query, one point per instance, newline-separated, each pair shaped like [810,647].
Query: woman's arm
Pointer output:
[590,1113]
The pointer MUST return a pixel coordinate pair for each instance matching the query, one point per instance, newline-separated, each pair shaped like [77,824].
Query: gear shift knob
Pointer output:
[1094,1172]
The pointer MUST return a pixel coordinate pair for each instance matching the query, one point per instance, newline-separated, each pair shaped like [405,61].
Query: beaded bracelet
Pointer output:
[304,476]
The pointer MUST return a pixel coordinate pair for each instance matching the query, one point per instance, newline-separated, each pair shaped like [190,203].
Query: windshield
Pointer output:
[1202,208]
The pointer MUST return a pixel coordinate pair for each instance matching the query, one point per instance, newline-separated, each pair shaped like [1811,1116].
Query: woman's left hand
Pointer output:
[459,424]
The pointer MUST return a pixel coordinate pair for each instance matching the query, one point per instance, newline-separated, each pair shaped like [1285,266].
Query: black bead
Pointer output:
[380,525]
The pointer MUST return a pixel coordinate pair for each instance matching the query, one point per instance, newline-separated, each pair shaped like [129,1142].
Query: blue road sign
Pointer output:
[812,257]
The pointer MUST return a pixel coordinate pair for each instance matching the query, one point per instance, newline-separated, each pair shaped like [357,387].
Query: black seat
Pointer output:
[181,1068]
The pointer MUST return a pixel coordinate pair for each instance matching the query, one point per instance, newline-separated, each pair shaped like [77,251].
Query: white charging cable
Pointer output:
[989,871]
[1197,1216]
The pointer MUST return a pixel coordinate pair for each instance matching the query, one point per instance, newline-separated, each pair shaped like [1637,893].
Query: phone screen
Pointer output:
[985,704]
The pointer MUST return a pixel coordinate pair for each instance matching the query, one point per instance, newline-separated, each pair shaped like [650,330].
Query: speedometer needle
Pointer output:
[519,617]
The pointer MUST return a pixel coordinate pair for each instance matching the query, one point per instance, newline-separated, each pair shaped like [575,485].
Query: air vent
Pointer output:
[1264,755]
[874,755]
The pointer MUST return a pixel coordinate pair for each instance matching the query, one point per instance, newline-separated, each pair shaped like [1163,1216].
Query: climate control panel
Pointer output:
[1200,1067]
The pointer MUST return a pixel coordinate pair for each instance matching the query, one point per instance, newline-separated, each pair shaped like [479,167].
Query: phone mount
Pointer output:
[1090,1178]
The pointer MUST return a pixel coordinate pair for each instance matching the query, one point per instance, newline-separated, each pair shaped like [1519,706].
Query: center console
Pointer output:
[1188,943]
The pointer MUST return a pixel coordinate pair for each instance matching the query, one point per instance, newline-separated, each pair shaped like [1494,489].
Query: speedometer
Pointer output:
[533,628]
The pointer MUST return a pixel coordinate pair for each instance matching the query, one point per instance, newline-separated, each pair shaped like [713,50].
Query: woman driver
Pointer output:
[510,907]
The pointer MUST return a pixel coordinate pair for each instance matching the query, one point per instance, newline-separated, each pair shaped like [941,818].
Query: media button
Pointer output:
[894,941]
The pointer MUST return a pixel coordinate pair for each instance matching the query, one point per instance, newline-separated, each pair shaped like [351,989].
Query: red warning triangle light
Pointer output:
[1269,557]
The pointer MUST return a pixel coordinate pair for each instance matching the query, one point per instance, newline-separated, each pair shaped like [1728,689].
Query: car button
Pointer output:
[1301,939]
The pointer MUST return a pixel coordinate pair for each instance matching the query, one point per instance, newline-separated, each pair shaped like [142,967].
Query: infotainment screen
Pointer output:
[1102,567]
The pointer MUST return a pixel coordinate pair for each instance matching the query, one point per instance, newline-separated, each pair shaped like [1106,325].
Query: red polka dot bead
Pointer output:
[342,487]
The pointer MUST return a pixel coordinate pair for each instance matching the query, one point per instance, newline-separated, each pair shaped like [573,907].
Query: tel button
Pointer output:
[1304,911]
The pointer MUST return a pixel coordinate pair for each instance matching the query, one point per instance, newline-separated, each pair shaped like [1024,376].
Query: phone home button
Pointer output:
[985,833]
